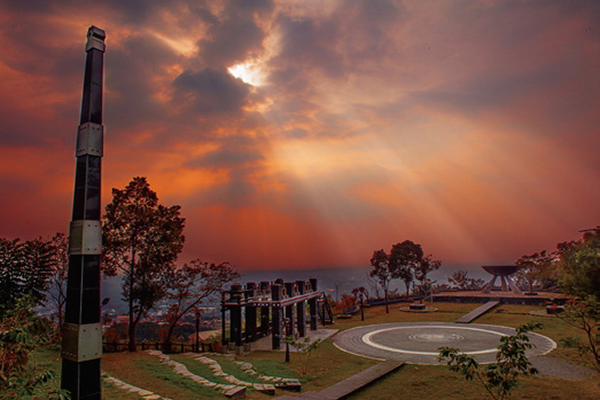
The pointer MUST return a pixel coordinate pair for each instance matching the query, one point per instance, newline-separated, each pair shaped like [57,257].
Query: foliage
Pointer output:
[501,377]
[305,346]
[459,280]
[579,263]
[141,239]
[373,285]
[584,315]
[579,266]
[361,294]
[189,286]
[532,269]
[404,259]
[59,267]
[21,333]
[24,271]
[346,302]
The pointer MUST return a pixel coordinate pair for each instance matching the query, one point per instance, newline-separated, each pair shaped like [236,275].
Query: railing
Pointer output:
[115,347]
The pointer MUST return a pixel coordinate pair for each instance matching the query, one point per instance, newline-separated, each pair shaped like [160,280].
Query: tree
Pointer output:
[459,280]
[584,315]
[422,269]
[381,270]
[59,267]
[21,334]
[306,346]
[142,240]
[24,271]
[530,267]
[579,264]
[404,259]
[373,285]
[361,294]
[499,378]
[189,286]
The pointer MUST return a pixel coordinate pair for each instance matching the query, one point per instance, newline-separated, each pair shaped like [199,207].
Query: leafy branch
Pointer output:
[499,378]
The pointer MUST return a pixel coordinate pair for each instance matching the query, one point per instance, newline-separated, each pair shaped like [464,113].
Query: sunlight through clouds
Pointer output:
[297,133]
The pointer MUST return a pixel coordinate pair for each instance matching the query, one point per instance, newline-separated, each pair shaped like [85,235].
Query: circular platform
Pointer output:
[417,342]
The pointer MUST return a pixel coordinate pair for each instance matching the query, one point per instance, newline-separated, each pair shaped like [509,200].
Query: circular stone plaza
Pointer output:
[418,342]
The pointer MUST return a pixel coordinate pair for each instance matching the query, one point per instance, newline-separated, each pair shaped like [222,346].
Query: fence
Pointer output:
[115,347]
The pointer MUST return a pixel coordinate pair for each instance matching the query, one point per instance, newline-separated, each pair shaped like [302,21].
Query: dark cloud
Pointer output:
[138,12]
[502,92]
[210,91]
[231,42]
[365,27]
[28,7]
[310,45]
[131,71]
[235,35]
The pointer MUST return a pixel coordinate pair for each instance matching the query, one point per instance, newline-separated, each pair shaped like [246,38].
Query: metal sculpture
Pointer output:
[504,272]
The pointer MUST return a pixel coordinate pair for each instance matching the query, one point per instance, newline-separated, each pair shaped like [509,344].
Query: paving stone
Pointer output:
[267,389]
[238,391]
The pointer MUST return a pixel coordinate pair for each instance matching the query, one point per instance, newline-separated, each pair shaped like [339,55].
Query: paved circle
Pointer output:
[417,343]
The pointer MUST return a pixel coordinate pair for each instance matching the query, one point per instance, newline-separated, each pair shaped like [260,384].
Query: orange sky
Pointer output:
[302,134]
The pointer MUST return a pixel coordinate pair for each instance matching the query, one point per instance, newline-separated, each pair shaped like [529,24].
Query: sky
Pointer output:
[308,134]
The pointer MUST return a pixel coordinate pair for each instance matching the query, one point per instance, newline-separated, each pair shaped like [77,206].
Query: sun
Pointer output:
[248,72]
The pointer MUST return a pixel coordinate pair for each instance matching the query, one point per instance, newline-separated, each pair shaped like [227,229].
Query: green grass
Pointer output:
[327,365]
[144,371]
[438,382]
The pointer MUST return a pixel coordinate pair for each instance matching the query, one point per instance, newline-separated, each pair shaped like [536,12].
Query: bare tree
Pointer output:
[381,270]
[189,286]
[58,277]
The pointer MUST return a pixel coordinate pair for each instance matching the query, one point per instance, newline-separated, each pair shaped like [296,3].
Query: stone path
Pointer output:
[351,384]
[417,342]
[181,369]
[143,393]
[476,313]
[559,368]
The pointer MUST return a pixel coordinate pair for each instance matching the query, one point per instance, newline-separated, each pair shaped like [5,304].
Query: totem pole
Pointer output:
[82,333]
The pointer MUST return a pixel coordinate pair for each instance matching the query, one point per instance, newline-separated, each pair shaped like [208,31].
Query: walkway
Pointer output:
[476,313]
[351,384]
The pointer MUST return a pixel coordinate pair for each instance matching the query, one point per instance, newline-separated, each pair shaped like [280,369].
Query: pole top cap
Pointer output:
[95,39]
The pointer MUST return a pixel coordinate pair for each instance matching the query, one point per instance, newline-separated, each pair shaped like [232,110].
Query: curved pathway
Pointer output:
[417,342]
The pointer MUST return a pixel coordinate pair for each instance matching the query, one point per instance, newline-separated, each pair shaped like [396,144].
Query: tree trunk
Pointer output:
[167,348]
[132,343]
[132,323]
[362,311]
[387,308]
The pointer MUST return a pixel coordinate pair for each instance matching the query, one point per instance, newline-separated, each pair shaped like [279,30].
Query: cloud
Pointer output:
[454,123]
[226,158]
[210,91]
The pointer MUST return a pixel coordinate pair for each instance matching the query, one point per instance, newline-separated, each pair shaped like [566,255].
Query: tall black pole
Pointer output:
[82,333]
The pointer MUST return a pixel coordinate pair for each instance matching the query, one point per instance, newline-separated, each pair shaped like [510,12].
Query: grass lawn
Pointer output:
[327,365]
